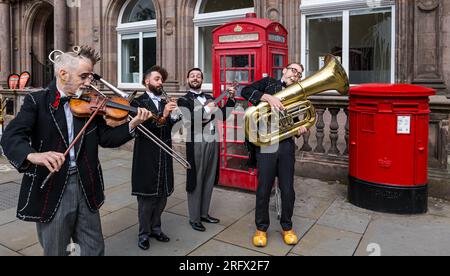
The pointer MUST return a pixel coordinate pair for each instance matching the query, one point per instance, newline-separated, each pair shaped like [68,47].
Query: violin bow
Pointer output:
[80,134]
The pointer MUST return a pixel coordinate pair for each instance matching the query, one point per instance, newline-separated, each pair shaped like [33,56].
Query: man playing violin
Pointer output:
[152,176]
[202,147]
[67,207]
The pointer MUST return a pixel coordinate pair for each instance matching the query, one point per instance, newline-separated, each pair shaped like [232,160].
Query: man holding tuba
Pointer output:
[275,160]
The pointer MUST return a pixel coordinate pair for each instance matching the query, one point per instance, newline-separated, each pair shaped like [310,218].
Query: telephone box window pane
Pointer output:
[278,74]
[149,52]
[239,76]
[139,10]
[324,37]
[238,61]
[370,47]
[277,60]
[221,5]
[130,61]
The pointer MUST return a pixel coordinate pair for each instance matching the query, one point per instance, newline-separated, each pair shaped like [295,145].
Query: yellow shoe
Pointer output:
[290,238]
[260,239]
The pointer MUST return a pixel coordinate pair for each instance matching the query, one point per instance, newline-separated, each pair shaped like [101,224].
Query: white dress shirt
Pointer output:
[157,101]
[69,120]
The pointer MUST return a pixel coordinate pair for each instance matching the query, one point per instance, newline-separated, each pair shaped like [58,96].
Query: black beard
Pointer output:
[195,87]
[154,90]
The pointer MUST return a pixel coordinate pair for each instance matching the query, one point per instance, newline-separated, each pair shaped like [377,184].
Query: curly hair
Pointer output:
[158,69]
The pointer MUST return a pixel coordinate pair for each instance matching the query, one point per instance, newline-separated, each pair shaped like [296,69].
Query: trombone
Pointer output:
[145,131]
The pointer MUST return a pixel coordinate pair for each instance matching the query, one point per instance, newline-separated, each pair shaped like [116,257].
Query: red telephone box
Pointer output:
[244,51]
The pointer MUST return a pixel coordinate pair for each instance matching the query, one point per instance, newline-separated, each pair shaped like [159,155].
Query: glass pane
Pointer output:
[130,61]
[237,149]
[238,61]
[370,48]
[206,41]
[149,52]
[277,60]
[221,5]
[237,164]
[324,37]
[139,10]
[238,76]
[278,74]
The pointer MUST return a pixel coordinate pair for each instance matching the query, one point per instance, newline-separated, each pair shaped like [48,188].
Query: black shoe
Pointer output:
[198,226]
[161,237]
[210,219]
[144,244]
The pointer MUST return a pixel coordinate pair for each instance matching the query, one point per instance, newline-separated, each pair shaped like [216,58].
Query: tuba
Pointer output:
[264,127]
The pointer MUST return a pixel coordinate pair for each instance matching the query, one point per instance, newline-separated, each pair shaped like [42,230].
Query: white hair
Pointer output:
[68,62]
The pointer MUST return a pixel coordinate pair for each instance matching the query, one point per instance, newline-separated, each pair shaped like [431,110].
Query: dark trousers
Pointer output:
[150,212]
[279,163]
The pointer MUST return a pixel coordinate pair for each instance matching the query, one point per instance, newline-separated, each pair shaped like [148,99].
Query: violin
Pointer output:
[115,108]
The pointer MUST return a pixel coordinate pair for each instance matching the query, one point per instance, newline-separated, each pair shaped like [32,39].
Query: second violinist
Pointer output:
[152,177]
[66,208]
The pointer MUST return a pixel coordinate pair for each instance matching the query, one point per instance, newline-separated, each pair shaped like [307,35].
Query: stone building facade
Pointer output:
[175,33]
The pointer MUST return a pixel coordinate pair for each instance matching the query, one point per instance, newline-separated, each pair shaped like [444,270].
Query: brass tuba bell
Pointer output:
[263,127]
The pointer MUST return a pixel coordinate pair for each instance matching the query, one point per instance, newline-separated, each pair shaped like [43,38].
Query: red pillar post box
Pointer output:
[389,147]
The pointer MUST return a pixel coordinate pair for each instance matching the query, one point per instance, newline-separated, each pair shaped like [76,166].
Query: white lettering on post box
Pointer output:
[404,125]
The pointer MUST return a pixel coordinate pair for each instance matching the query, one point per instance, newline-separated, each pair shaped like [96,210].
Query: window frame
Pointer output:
[143,29]
[344,8]
[210,19]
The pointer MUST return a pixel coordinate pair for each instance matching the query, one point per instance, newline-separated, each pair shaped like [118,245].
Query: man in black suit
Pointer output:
[67,206]
[152,179]
[277,160]
[202,147]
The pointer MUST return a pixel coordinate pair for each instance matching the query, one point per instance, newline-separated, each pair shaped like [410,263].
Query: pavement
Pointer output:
[325,222]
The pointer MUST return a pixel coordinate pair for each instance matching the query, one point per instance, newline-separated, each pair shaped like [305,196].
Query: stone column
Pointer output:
[5,42]
[60,21]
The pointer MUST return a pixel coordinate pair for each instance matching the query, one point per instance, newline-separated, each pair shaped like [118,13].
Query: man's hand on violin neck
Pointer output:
[142,116]
[52,160]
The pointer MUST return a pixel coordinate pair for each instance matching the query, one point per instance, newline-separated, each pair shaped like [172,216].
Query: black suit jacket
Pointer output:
[188,103]
[253,93]
[152,167]
[41,126]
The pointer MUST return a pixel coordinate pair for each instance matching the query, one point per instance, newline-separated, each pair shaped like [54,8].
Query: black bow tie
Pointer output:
[283,84]
[64,100]
[199,94]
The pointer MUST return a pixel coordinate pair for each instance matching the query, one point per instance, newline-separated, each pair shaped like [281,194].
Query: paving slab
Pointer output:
[116,176]
[439,207]
[118,198]
[118,221]
[34,250]
[7,252]
[242,231]
[345,219]
[317,188]
[407,236]
[184,239]
[115,163]
[18,235]
[326,241]
[228,206]
[217,248]
[311,206]
[8,216]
